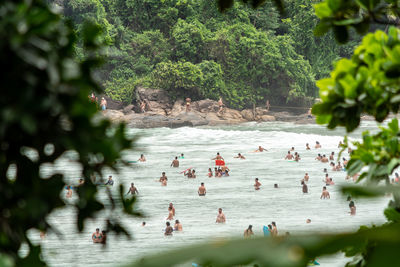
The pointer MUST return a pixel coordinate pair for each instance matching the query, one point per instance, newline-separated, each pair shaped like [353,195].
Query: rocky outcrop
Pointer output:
[162,112]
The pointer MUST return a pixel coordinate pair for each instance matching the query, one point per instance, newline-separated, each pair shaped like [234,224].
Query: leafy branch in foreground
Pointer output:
[45,112]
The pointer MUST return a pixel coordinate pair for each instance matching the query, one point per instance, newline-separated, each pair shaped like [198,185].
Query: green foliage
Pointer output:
[262,53]
[121,90]
[44,111]
[184,76]
[367,83]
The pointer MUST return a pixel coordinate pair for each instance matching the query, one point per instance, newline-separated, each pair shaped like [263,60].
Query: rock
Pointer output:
[261,111]
[231,114]
[194,117]
[114,115]
[247,114]
[112,104]
[267,118]
[154,95]
[128,109]
[206,105]
[178,108]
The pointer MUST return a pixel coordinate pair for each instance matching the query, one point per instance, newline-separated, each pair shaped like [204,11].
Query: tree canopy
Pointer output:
[256,54]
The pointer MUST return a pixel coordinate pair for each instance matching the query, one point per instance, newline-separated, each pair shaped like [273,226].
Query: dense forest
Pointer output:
[189,48]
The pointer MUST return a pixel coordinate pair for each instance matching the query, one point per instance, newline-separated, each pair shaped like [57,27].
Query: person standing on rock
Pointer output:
[188,101]
[267,105]
[221,106]
[103,104]
[143,106]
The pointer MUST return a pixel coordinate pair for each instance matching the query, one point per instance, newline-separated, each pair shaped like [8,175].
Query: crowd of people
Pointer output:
[223,170]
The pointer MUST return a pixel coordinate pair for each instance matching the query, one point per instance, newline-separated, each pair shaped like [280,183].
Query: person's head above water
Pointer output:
[163,173]
[176,157]
[202,184]
[168,224]
[275,185]
[250,227]
[217,153]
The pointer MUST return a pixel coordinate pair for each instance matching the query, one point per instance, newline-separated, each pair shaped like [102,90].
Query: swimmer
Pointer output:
[257,184]
[305,187]
[224,168]
[306,177]
[289,156]
[132,190]
[178,226]
[188,173]
[143,224]
[104,237]
[226,173]
[210,173]
[215,172]
[331,182]
[218,157]
[260,149]
[110,181]
[292,149]
[168,229]
[219,174]
[332,156]
[175,163]
[220,217]
[163,178]
[317,145]
[325,194]
[172,207]
[170,214]
[339,167]
[248,232]
[274,231]
[319,157]
[275,185]
[297,157]
[239,156]
[352,207]
[333,166]
[202,190]
[326,179]
[69,192]
[325,170]
[193,174]
[340,144]
[142,158]
[324,159]
[308,147]
[181,156]
[97,236]
[308,221]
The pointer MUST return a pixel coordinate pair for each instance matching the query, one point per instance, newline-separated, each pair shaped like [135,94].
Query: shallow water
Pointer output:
[242,205]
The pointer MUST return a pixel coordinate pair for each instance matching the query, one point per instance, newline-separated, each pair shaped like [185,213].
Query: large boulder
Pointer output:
[114,115]
[112,104]
[267,118]
[177,108]
[231,114]
[205,105]
[128,109]
[156,95]
[247,114]
[196,118]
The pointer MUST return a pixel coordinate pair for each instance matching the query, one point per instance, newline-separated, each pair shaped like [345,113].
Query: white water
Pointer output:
[242,205]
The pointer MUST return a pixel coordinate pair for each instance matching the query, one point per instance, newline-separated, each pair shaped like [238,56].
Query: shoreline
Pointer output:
[161,111]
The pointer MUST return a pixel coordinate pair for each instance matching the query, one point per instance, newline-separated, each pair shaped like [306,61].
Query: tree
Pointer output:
[45,111]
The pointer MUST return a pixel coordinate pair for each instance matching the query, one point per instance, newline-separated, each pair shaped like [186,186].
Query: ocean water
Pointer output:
[242,205]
